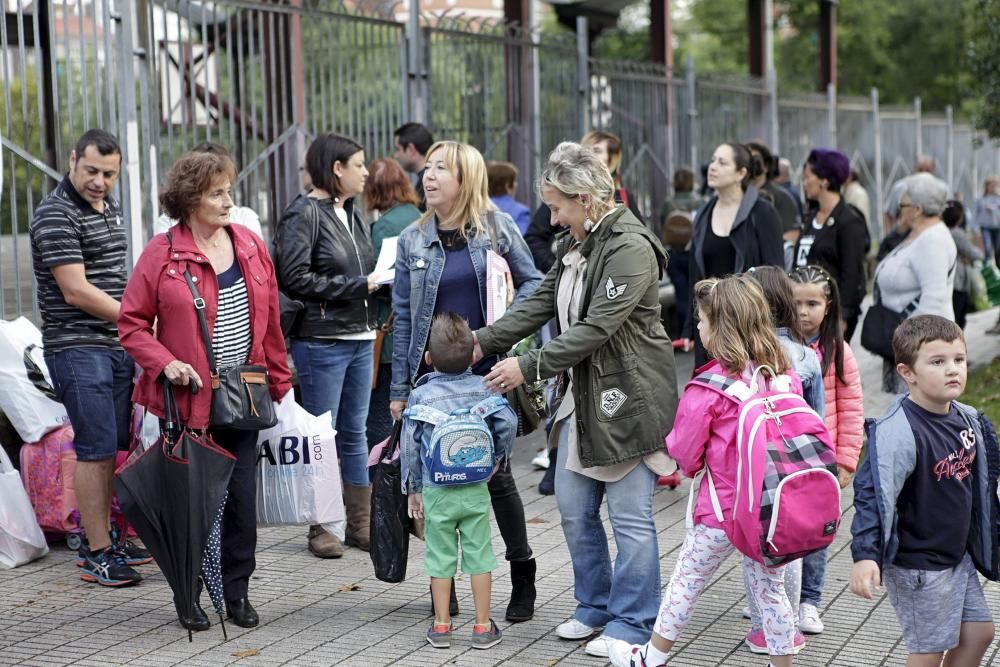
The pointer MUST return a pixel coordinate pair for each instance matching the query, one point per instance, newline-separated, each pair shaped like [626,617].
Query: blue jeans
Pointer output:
[813,574]
[624,599]
[94,384]
[337,376]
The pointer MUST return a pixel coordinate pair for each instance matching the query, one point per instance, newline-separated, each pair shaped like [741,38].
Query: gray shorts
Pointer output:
[931,605]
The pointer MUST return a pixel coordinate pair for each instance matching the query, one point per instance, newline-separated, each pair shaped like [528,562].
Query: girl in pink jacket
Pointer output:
[818,303]
[734,322]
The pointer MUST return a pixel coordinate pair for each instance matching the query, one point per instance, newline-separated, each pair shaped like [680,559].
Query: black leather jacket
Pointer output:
[325,267]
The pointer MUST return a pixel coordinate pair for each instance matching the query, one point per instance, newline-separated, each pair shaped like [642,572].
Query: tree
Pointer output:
[983,22]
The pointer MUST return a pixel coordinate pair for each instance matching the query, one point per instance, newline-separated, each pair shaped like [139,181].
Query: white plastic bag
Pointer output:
[25,384]
[21,540]
[298,474]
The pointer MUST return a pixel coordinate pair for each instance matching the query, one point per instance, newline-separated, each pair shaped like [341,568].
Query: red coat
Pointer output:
[158,294]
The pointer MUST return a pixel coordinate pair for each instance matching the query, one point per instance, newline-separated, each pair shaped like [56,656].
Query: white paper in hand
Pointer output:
[498,288]
[385,265]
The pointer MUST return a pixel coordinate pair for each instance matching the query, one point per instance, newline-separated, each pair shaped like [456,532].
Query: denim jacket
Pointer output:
[806,365]
[448,392]
[419,264]
[889,462]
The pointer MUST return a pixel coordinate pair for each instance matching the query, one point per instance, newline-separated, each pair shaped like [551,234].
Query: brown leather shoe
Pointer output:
[358,502]
[323,544]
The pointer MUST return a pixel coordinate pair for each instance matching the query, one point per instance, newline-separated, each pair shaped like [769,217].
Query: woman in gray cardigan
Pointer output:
[918,276]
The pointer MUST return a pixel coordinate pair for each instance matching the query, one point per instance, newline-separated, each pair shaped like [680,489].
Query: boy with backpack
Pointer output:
[925,499]
[456,434]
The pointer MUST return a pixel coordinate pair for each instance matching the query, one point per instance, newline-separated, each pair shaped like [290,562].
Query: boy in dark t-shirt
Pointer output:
[926,501]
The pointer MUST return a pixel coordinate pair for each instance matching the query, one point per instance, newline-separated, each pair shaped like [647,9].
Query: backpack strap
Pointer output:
[704,476]
[426,413]
[489,406]
[732,388]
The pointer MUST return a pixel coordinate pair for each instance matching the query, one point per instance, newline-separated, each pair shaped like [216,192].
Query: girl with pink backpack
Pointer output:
[734,322]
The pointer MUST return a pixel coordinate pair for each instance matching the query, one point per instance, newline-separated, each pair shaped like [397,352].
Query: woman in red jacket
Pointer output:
[235,277]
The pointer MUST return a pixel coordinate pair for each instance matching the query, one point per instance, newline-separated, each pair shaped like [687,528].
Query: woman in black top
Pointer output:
[835,235]
[734,231]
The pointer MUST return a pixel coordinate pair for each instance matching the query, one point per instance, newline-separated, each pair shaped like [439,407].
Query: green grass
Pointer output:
[983,390]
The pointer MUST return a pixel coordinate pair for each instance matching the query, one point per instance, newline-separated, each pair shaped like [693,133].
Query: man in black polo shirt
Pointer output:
[79,248]
[413,140]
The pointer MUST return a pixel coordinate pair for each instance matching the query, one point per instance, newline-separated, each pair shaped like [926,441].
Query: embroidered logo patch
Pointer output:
[614,291]
[612,400]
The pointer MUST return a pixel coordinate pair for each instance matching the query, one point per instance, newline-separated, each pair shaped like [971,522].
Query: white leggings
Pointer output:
[702,553]
[793,590]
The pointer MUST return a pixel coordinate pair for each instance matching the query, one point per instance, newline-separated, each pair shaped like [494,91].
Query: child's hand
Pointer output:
[415,505]
[865,578]
[844,476]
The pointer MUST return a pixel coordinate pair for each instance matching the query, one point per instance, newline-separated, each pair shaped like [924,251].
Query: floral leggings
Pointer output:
[702,553]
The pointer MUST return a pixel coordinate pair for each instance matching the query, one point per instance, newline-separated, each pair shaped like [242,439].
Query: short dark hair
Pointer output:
[770,159]
[450,343]
[831,165]
[323,152]
[502,177]
[416,134]
[953,214]
[105,143]
[683,180]
[189,178]
[914,332]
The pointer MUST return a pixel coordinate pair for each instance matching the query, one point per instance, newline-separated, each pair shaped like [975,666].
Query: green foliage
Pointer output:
[22,183]
[983,24]
[983,390]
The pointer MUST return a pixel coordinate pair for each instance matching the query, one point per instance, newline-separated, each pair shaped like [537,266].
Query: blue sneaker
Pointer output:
[108,568]
[486,636]
[439,635]
[129,550]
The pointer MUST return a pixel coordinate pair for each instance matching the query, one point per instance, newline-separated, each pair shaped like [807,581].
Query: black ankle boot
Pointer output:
[522,595]
[242,613]
[452,602]
[197,621]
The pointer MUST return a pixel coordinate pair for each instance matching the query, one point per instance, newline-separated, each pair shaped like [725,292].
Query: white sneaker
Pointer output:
[541,460]
[746,611]
[602,646]
[809,622]
[574,629]
[620,654]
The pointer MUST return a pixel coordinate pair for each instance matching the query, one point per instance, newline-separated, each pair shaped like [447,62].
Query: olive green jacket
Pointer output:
[625,385]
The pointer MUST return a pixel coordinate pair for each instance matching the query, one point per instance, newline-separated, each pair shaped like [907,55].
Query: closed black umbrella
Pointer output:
[171,493]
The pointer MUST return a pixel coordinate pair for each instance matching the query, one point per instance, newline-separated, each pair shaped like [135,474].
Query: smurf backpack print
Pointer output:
[787,502]
[460,448]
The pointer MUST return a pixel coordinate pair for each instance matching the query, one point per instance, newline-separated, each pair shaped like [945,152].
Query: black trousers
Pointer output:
[509,512]
[239,518]
[960,302]
[850,325]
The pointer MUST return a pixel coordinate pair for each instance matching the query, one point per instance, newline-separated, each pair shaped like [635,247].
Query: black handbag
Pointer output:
[241,395]
[880,324]
[390,525]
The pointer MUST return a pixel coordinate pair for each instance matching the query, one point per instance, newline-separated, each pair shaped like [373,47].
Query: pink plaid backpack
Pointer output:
[787,495]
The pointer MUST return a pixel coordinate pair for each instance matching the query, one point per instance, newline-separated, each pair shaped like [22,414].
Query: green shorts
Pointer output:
[450,512]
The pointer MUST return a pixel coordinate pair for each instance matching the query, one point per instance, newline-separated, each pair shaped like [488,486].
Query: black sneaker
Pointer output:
[134,554]
[108,568]
[129,550]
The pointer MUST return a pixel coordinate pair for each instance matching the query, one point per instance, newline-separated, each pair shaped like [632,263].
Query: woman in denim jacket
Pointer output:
[441,268]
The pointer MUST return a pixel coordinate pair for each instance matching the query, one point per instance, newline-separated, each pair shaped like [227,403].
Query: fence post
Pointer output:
[772,106]
[831,113]
[415,71]
[877,125]
[128,130]
[919,143]
[949,121]
[692,112]
[582,75]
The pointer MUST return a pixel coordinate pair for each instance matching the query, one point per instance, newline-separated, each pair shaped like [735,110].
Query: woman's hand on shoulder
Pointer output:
[179,373]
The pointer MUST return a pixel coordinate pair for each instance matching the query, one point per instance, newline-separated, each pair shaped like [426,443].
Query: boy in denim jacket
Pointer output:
[925,500]
[450,511]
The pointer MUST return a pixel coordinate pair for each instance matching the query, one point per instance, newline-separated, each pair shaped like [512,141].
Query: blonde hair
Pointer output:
[473,200]
[574,170]
[739,320]
[614,149]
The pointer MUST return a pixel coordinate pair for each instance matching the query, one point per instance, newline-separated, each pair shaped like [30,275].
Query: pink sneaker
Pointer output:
[758,644]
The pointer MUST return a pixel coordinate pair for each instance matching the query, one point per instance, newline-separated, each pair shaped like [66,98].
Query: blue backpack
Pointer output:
[460,449]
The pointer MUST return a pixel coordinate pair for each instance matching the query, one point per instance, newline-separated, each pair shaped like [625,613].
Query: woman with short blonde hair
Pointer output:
[617,397]
[441,268]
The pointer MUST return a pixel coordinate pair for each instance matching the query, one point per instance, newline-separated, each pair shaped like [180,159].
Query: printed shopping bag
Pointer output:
[298,475]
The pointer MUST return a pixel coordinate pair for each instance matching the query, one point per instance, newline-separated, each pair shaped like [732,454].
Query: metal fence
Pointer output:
[262,77]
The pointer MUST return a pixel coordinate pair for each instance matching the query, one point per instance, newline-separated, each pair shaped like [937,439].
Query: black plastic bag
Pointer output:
[389,525]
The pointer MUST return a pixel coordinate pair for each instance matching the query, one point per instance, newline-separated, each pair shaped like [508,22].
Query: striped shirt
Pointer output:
[231,339]
[66,229]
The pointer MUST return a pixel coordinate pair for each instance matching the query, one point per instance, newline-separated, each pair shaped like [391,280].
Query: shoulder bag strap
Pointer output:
[426,413]
[199,307]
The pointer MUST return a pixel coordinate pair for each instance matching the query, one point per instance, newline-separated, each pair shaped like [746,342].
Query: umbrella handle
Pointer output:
[172,415]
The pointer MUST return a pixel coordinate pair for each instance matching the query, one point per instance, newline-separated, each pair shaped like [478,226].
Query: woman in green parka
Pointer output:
[618,389]
[391,202]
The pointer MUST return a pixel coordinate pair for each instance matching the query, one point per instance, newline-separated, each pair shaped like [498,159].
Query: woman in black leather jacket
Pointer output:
[323,250]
